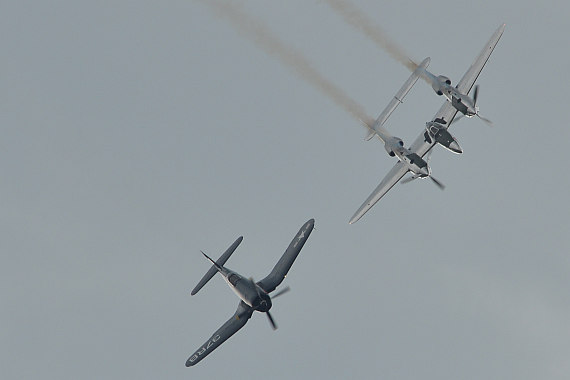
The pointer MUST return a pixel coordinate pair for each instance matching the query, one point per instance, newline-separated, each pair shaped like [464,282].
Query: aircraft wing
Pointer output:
[465,84]
[236,322]
[278,273]
[393,176]
[447,112]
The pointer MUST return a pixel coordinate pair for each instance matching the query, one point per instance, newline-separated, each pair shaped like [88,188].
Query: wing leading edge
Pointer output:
[280,269]
[447,112]
[468,80]
[233,325]
[393,176]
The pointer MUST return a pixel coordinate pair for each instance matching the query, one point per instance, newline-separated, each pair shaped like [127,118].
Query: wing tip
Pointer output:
[354,219]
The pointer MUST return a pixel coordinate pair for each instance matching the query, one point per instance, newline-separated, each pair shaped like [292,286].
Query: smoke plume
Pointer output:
[258,33]
[360,21]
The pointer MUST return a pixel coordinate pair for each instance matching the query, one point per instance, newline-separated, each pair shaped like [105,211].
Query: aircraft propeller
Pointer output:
[271,321]
[475,95]
[279,293]
[437,183]
[434,180]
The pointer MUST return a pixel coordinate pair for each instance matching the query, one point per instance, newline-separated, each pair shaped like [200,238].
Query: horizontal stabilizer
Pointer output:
[398,98]
[219,263]
[371,134]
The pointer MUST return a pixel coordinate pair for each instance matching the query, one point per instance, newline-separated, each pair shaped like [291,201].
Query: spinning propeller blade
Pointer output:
[271,321]
[281,292]
[457,118]
[439,184]
[269,317]
[485,120]
[475,94]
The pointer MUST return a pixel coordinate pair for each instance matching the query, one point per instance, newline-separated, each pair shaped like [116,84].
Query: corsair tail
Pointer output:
[216,265]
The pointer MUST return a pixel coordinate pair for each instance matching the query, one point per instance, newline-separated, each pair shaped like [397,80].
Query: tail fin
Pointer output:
[216,265]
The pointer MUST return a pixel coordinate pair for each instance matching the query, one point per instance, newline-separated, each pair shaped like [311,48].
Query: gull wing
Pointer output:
[236,322]
[278,273]
[447,112]
[393,176]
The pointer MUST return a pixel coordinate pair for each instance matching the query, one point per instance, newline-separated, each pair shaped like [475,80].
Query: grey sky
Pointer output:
[135,134]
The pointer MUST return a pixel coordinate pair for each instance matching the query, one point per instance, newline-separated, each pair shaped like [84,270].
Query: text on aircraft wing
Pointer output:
[236,322]
[279,271]
[393,176]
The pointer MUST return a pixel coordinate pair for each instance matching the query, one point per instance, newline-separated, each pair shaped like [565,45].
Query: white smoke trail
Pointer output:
[257,32]
[359,20]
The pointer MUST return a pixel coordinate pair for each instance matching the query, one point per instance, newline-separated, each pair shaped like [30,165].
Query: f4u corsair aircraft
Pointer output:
[411,159]
[254,296]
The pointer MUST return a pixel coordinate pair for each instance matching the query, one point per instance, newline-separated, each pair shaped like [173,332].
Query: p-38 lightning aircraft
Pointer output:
[411,159]
[254,296]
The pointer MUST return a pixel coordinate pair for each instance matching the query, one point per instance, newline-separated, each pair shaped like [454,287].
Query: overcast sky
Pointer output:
[136,133]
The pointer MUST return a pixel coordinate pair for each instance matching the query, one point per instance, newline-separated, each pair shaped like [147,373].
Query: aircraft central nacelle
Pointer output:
[436,131]
[440,85]
[393,145]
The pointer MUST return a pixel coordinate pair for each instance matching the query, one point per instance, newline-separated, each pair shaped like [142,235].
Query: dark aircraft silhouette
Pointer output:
[254,296]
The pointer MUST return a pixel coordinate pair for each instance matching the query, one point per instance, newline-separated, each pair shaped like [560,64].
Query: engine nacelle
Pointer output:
[440,84]
[392,144]
[443,78]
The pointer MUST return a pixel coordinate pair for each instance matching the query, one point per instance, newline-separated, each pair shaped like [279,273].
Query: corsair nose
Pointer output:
[454,146]
[264,305]
[424,171]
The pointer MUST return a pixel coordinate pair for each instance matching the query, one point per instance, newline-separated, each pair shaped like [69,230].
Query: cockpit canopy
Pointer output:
[234,279]
[433,129]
